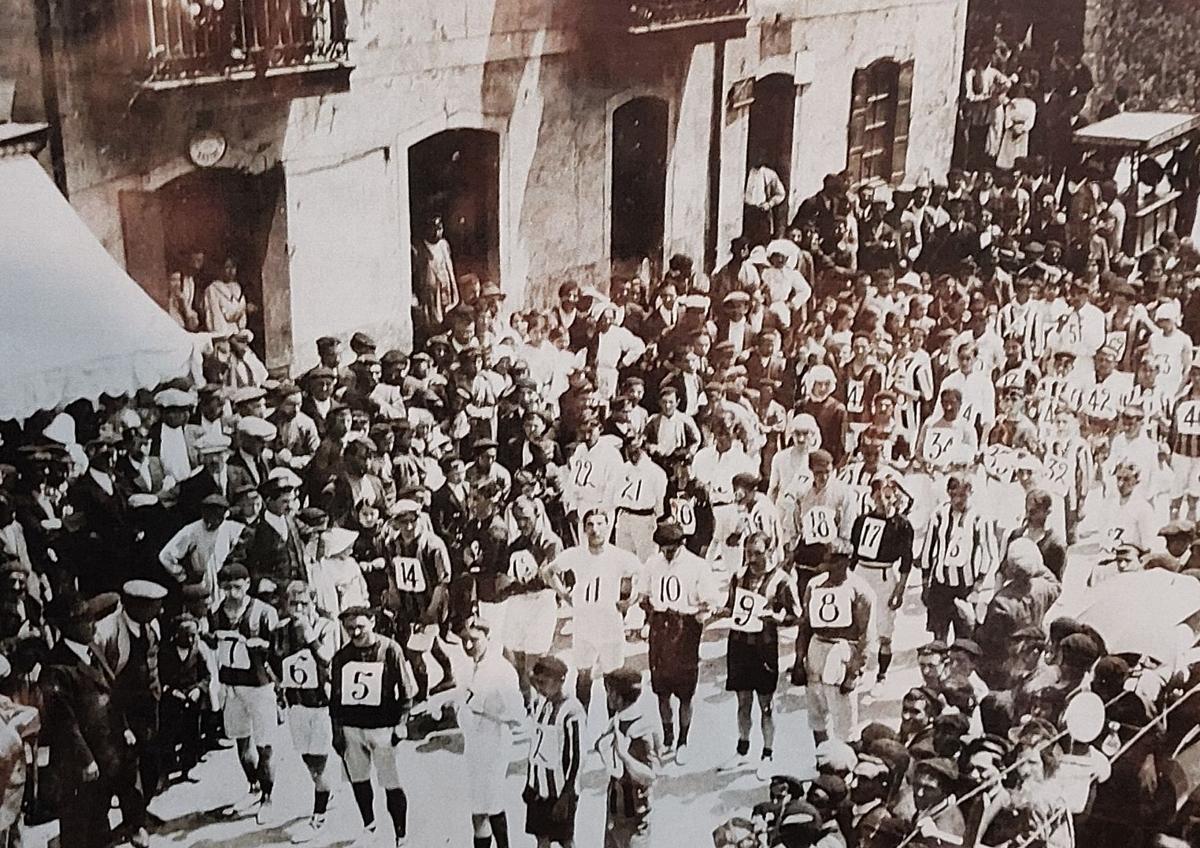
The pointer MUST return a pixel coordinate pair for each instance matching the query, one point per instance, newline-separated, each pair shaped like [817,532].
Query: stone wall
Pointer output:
[532,72]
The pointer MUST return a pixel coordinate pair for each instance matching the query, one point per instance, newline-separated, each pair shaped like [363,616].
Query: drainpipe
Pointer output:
[716,120]
[49,63]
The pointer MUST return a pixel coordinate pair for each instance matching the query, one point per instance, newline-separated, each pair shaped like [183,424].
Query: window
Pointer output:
[880,103]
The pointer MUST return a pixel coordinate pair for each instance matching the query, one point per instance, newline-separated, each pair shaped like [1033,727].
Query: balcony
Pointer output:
[709,20]
[293,46]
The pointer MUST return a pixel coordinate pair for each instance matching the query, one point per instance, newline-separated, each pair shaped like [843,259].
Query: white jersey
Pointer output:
[643,486]
[594,475]
[597,589]
[716,471]
[682,585]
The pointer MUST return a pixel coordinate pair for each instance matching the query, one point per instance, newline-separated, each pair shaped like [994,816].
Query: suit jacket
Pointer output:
[80,725]
[723,333]
[448,513]
[951,248]
[133,481]
[267,555]
[105,513]
[309,407]
[240,472]
[195,489]
[112,640]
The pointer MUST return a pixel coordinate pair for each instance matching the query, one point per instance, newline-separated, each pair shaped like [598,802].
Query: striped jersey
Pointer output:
[959,547]
[1185,426]
[555,749]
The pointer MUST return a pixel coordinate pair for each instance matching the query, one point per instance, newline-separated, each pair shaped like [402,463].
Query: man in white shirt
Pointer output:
[612,348]
[170,440]
[593,476]
[764,202]
[640,499]
[715,467]
[198,551]
[677,591]
[603,575]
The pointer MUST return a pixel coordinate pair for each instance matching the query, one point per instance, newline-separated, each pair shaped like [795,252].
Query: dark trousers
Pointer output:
[83,815]
[179,741]
[941,611]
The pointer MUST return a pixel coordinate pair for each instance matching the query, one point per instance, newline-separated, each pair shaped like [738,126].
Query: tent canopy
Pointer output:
[73,324]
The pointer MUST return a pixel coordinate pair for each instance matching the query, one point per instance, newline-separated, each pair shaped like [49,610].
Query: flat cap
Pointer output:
[175,399]
[247,394]
[233,571]
[146,590]
[362,340]
[256,428]
[1179,527]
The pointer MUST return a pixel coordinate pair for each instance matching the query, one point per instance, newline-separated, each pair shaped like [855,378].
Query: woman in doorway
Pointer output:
[225,305]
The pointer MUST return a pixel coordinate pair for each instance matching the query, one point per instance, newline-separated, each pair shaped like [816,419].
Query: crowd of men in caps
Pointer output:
[943,387]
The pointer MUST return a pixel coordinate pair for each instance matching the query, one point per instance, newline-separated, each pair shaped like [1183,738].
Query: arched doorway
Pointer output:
[203,218]
[455,175]
[769,136]
[639,184]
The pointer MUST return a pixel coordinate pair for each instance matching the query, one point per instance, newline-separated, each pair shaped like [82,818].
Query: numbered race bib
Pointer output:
[588,592]
[830,607]
[958,549]
[1116,340]
[669,592]
[362,684]
[1187,418]
[410,576]
[1000,462]
[870,536]
[522,567]
[231,650]
[583,473]
[856,390]
[1166,364]
[544,748]
[1057,474]
[631,493]
[819,525]
[1099,403]
[939,441]
[300,670]
[683,510]
[748,609]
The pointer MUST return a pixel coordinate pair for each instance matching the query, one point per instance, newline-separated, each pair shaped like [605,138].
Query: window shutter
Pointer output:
[860,94]
[902,120]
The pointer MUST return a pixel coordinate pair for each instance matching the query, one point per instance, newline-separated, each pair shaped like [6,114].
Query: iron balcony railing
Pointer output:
[175,42]
[659,15]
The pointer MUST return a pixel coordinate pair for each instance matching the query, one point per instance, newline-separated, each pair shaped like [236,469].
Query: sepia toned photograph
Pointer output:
[599,423]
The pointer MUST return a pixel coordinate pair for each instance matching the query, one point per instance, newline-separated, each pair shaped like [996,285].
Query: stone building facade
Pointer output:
[524,123]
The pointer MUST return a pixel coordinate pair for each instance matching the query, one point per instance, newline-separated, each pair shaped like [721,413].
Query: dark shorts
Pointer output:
[674,654]
[540,819]
[752,665]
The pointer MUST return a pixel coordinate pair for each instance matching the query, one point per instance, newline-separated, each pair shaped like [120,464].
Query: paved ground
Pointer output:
[689,802]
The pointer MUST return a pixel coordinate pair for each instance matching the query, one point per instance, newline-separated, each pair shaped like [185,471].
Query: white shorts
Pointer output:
[590,651]
[367,746]
[492,615]
[882,582]
[529,622]
[250,712]
[487,776]
[311,729]
[1187,476]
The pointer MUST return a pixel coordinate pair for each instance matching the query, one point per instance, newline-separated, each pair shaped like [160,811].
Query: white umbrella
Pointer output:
[1139,612]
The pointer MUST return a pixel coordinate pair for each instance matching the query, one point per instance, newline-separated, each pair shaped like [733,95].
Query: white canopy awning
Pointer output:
[73,324]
